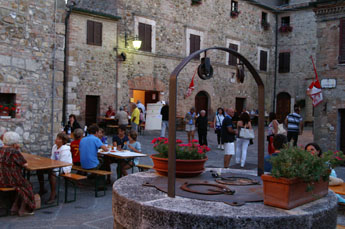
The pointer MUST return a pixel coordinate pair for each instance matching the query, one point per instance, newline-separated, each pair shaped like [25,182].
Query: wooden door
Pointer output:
[201,102]
[283,105]
[240,105]
[91,109]
[342,130]
[151,97]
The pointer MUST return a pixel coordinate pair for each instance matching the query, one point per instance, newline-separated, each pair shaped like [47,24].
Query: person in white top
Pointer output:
[140,105]
[217,123]
[242,143]
[60,152]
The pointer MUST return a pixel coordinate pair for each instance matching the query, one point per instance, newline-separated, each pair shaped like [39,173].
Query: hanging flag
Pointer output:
[191,86]
[314,89]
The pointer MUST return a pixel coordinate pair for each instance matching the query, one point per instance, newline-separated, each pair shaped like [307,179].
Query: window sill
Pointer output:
[5,117]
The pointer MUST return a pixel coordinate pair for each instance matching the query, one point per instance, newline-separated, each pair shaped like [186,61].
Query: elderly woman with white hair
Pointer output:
[11,176]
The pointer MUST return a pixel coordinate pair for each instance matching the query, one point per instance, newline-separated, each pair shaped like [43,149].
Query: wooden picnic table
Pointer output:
[36,162]
[339,189]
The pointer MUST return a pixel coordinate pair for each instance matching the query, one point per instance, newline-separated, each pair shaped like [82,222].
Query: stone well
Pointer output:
[136,206]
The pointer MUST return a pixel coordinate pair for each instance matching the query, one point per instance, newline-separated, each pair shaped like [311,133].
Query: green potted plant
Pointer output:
[190,158]
[298,177]
[8,109]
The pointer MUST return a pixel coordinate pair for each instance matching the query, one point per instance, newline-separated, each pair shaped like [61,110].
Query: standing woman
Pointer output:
[11,176]
[242,143]
[272,131]
[190,124]
[217,123]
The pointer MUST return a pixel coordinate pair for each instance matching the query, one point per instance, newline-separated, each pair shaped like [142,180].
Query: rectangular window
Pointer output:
[145,35]
[285,21]
[234,6]
[8,105]
[232,58]
[342,42]
[264,18]
[94,33]
[263,60]
[194,44]
[284,62]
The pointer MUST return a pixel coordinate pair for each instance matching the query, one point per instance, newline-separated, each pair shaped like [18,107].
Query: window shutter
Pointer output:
[98,33]
[89,37]
[287,62]
[232,58]
[148,36]
[284,62]
[263,60]
[342,41]
[141,30]
[194,44]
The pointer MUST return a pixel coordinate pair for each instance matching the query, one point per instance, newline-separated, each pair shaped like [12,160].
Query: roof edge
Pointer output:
[93,12]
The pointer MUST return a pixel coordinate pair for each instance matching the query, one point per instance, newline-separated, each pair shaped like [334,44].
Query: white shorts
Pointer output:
[229,148]
[190,127]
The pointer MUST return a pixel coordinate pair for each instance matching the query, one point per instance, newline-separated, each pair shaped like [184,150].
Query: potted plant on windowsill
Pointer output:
[298,177]
[265,25]
[7,109]
[285,29]
[190,158]
[196,2]
[234,13]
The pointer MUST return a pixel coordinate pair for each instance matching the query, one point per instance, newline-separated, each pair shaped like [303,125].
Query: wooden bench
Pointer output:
[73,178]
[143,168]
[8,207]
[98,173]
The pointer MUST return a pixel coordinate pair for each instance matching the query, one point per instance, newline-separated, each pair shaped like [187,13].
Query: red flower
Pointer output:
[13,108]
[195,141]
[154,146]
[6,108]
[1,106]
[166,142]
[178,141]
[200,151]
[339,158]
[154,141]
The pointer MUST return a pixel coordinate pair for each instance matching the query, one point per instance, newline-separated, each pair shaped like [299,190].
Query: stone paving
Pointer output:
[91,212]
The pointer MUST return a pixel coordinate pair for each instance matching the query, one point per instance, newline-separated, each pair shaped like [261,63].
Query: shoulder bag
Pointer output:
[281,129]
[246,133]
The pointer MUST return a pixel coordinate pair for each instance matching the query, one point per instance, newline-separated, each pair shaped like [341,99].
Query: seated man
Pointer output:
[279,141]
[88,149]
[78,134]
[110,112]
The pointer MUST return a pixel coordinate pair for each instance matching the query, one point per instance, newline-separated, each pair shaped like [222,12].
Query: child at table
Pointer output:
[78,134]
[60,152]
[133,146]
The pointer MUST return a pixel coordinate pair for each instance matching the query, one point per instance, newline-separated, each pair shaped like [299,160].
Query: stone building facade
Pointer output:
[329,123]
[31,72]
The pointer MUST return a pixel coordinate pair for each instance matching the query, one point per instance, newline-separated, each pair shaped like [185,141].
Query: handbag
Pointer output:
[281,129]
[246,133]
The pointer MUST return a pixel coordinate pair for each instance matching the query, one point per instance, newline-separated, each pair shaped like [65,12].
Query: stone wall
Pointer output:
[91,69]
[301,44]
[326,126]
[212,18]
[31,60]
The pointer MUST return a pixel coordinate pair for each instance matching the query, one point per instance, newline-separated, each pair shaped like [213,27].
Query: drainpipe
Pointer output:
[65,76]
[275,63]
[53,78]
[117,67]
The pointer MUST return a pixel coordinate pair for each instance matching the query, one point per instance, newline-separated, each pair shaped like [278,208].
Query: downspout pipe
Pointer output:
[275,64]
[65,76]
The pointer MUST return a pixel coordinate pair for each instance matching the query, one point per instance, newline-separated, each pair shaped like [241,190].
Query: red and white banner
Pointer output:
[314,89]
[191,86]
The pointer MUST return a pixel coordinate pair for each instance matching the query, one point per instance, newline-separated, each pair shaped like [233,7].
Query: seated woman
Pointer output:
[60,152]
[120,139]
[11,175]
[279,141]
[134,146]
[77,134]
[315,149]
[71,125]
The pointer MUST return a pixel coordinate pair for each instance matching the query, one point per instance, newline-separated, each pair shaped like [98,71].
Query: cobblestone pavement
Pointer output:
[91,212]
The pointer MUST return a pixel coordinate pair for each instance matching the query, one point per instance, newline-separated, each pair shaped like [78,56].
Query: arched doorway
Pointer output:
[201,102]
[283,105]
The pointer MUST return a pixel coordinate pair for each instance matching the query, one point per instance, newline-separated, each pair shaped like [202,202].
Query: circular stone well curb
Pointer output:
[137,206]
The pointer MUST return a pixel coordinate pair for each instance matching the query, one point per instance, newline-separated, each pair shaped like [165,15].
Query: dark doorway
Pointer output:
[342,129]
[201,102]
[151,97]
[91,110]
[240,102]
[283,105]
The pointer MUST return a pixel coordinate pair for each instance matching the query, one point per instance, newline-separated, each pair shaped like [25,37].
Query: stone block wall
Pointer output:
[92,69]
[327,120]
[212,18]
[31,60]
[301,44]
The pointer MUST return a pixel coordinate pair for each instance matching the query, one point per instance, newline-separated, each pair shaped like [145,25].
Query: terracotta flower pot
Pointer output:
[184,168]
[290,193]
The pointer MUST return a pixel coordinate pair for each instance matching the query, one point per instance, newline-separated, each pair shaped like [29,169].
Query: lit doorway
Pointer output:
[145,97]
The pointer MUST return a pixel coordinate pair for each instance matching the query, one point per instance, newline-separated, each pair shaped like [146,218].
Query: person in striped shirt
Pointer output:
[294,123]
